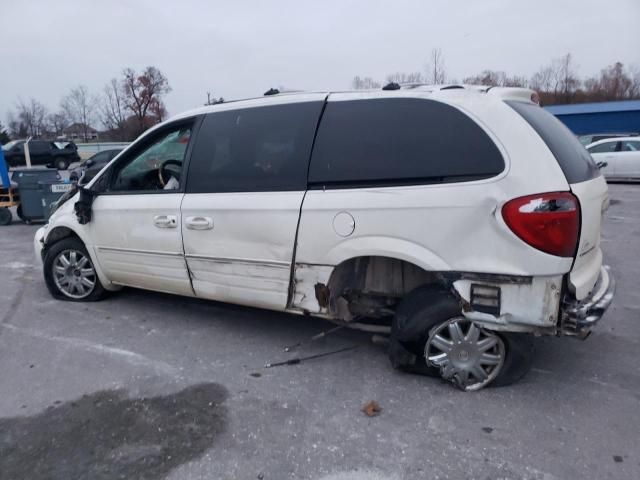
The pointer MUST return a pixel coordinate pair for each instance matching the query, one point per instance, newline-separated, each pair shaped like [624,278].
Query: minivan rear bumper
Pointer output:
[579,316]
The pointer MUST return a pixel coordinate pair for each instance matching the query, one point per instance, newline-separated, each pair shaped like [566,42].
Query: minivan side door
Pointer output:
[39,152]
[135,225]
[247,180]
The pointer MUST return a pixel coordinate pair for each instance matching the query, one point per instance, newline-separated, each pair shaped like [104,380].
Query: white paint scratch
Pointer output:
[130,357]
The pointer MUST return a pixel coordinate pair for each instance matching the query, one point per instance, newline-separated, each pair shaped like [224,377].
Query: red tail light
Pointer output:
[547,221]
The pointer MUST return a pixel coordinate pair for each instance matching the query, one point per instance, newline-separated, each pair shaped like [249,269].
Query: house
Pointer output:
[79,132]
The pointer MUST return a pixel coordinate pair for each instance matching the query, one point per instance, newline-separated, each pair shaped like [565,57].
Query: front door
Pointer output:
[247,180]
[136,224]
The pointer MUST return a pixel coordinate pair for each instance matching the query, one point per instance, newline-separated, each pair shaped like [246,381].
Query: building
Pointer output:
[79,132]
[602,117]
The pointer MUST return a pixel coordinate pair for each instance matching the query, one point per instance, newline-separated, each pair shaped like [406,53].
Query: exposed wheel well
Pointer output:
[58,234]
[371,286]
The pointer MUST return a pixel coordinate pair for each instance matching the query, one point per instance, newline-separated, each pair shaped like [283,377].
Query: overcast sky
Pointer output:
[239,48]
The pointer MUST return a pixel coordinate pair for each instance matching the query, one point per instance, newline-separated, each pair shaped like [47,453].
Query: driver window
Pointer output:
[157,167]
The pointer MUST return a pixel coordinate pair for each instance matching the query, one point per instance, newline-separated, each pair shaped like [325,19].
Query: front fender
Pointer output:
[65,218]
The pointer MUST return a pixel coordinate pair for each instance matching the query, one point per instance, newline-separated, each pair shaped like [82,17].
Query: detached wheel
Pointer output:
[429,336]
[5,216]
[62,164]
[69,272]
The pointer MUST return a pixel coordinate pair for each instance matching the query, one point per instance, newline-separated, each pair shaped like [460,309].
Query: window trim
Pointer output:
[142,143]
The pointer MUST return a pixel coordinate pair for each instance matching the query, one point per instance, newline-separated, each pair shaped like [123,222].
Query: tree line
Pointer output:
[125,107]
[556,83]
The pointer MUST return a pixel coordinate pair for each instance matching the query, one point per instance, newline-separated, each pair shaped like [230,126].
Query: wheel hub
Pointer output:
[466,354]
[73,274]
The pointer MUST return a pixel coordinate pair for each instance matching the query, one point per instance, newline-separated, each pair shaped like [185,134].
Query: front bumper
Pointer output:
[578,317]
[38,244]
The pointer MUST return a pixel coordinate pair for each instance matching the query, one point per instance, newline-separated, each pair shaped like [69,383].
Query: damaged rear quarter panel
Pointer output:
[524,306]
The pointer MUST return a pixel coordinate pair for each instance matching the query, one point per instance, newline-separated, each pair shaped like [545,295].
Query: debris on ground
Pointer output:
[371,409]
[297,360]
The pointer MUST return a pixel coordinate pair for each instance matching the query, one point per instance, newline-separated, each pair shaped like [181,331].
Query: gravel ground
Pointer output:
[150,386]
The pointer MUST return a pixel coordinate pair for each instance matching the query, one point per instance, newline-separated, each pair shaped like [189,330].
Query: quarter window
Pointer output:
[254,149]
[399,141]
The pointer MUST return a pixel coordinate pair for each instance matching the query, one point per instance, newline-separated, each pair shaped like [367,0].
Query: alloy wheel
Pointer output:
[74,274]
[465,353]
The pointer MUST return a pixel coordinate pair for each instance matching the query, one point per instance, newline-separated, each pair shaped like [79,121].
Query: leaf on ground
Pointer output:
[371,409]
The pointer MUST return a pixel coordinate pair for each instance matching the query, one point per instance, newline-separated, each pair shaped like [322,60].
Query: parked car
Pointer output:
[462,221]
[619,157]
[594,137]
[84,173]
[41,152]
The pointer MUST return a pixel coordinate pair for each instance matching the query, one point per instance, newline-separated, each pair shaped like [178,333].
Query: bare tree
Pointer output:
[112,108]
[143,95]
[80,107]
[364,83]
[402,77]
[435,67]
[557,82]
[57,122]
[568,79]
[29,118]
[495,79]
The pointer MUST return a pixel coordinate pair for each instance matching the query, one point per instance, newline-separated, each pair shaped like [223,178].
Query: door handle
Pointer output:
[165,221]
[199,223]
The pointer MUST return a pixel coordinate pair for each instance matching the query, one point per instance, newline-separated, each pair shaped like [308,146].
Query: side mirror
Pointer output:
[602,164]
[90,163]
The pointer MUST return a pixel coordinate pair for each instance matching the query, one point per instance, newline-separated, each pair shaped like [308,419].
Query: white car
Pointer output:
[619,157]
[462,220]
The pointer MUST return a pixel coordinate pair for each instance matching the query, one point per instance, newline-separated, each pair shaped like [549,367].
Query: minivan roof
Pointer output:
[439,91]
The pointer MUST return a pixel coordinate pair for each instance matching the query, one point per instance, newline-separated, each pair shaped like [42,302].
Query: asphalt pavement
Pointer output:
[151,386]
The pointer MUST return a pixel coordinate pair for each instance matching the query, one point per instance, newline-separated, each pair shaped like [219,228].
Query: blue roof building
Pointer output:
[603,117]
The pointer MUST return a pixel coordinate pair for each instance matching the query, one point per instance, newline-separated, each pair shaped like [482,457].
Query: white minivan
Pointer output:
[461,220]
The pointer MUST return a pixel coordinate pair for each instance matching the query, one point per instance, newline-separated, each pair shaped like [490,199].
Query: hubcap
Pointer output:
[466,354]
[73,274]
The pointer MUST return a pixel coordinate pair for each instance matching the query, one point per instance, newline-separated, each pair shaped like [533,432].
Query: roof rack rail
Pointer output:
[391,86]
[272,91]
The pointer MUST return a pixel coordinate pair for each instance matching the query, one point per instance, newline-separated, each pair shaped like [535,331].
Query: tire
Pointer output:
[69,286]
[5,216]
[62,164]
[427,309]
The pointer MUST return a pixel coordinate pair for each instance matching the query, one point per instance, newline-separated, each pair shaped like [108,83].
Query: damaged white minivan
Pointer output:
[462,220]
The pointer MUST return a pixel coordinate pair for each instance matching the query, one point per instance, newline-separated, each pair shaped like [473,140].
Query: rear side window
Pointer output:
[605,147]
[575,162]
[399,142]
[254,149]
[630,146]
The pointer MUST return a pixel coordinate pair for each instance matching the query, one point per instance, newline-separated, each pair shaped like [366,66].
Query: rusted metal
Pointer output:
[323,294]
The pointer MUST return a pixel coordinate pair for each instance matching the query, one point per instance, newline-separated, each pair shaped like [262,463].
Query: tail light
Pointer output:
[547,221]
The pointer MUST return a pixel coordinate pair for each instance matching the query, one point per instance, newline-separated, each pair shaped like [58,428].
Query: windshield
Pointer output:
[11,144]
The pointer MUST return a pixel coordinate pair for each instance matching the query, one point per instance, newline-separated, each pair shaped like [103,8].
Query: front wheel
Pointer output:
[430,336]
[69,272]
[5,216]
[62,164]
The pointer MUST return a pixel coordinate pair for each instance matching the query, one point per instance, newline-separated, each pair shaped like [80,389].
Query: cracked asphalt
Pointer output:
[146,385]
